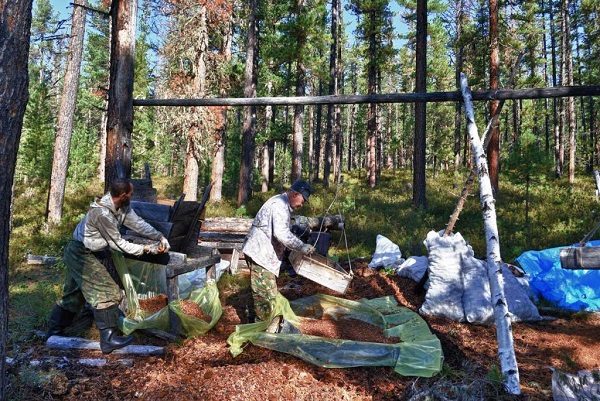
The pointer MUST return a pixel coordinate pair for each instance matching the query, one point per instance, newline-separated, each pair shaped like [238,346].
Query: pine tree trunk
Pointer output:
[249,125]
[506,352]
[120,91]
[311,144]
[419,162]
[190,174]
[460,13]
[568,81]
[218,162]
[493,150]
[62,142]
[15,24]
[558,167]
[333,90]
[317,138]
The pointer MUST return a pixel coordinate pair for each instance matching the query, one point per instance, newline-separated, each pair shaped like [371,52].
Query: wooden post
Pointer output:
[506,351]
[120,92]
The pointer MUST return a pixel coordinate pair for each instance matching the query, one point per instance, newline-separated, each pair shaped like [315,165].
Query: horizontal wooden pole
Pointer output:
[501,94]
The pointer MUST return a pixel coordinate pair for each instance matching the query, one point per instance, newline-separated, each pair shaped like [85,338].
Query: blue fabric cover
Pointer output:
[574,290]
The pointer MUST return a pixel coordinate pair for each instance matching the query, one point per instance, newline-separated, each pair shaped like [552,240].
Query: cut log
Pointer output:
[580,258]
[227,224]
[41,260]
[242,225]
[58,342]
[506,351]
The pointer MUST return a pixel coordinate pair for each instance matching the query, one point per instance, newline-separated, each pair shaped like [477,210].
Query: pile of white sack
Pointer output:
[458,286]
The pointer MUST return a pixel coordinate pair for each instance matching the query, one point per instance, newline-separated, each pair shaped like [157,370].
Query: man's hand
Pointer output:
[152,249]
[164,245]
[307,249]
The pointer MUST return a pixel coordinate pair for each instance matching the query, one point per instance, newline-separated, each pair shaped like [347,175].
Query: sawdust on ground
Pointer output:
[203,369]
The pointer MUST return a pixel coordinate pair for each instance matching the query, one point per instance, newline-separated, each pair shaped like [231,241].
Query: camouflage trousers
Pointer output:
[264,289]
[87,280]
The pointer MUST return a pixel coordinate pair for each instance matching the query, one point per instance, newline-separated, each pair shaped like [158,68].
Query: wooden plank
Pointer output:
[58,342]
[222,237]
[235,258]
[221,245]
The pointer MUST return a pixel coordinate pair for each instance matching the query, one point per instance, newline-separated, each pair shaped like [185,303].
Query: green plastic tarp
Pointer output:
[418,353]
[147,280]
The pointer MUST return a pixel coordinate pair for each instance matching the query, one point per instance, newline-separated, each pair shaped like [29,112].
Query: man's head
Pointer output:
[121,191]
[299,193]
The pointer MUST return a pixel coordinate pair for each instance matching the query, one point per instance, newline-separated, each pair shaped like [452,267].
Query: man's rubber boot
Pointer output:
[59,320]
[107,322]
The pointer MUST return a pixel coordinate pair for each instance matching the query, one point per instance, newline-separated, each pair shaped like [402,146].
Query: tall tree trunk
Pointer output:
[460,16]
[249,127]
[568,81]
[506,351]
[120,91]
[546,80]
[311,133]
[493,150]
[266,159]
[62,141]
[192,155]
[558,153]
[297,128]
[15,24]
[218,162]
[102,139]
[419,162]
[317,138]
[333,90]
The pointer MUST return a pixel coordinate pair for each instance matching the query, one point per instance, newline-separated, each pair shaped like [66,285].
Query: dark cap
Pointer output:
[302,187]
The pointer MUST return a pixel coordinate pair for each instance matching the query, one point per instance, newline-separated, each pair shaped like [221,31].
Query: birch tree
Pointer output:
[506,351]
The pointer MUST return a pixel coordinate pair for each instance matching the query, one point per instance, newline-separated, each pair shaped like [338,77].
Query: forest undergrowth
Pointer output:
[551,213]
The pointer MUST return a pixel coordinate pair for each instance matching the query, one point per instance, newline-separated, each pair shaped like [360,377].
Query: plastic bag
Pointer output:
[418,354]
[145,282]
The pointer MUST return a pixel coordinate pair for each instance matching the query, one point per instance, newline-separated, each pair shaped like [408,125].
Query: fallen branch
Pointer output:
[58,342]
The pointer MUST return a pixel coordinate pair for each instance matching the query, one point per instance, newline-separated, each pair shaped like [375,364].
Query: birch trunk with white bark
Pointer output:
[506,351]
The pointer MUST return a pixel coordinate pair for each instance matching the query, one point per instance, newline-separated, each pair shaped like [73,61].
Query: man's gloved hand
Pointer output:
[164,245]
[152,249]
[307,249]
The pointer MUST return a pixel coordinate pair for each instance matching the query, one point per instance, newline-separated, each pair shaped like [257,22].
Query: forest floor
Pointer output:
[203,369]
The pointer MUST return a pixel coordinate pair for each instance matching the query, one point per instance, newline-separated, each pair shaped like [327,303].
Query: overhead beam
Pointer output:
[501,94]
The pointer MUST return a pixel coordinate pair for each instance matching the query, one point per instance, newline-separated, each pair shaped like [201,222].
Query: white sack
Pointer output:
[386,253]
[413,268]
[445,292]
[477,300]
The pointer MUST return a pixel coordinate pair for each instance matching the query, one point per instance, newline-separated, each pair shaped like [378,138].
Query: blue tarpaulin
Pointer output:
[574,290]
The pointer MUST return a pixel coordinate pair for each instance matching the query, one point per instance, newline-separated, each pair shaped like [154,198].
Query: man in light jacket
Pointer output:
[267,241]
[87,256]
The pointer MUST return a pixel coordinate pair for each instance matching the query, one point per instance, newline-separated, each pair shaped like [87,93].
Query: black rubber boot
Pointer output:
[59,320]
[106,322]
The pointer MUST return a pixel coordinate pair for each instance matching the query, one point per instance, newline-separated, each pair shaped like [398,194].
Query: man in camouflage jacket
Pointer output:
[88,260]
[267,241]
